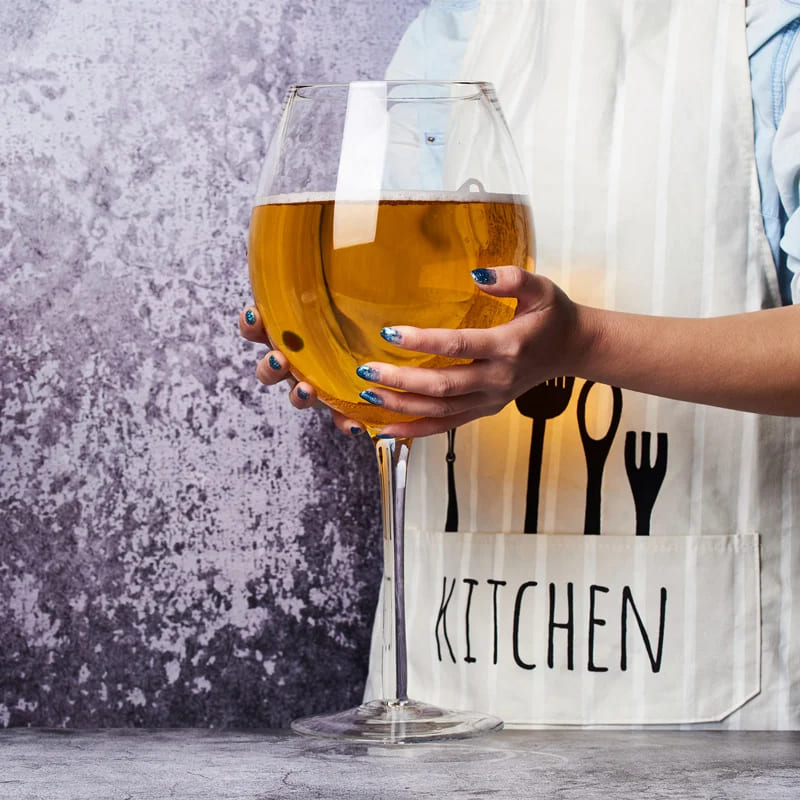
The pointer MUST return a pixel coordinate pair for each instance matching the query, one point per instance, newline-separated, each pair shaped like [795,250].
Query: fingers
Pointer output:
[452,381]
[469,343]
[347,426]
[435,393]
[251,327]
[420,405]
[273,368]
[532,291]
[302,395]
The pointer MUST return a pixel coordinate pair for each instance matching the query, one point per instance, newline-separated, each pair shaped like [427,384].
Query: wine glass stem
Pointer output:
[392,462]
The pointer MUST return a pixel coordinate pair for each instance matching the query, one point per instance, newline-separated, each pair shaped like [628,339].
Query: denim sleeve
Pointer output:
[786,156]
[773,35]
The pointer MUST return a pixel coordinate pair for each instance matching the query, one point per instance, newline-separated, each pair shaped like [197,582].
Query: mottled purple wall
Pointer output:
[177,545]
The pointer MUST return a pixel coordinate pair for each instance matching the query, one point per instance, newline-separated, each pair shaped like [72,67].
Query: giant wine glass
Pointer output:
[376,201]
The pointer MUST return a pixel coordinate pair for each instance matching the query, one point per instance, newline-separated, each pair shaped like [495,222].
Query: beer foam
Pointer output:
[432,196]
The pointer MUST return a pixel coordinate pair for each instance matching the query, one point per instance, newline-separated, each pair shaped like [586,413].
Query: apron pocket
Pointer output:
[566,629]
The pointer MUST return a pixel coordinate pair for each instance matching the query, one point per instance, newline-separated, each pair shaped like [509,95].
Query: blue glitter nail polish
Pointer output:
[355,430]
[303,394]
[391,335]
[274,363]
[367,373]
[384,436]
[485,277]
[250,317]
[371,397]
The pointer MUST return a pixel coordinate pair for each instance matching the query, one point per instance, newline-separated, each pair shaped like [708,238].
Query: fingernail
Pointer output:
[485,277]
[391,335]
[355,430]
[368,373]
[303,394]
[250,317]
[384,436]
[274,363]
[371,397]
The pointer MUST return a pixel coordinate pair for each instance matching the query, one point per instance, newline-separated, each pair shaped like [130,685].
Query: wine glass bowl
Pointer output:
[415,271]
[376,201]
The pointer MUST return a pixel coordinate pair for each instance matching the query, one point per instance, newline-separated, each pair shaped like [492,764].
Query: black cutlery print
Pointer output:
[596,452]
[451,522]
[549,400]
[646,479]
[542,402]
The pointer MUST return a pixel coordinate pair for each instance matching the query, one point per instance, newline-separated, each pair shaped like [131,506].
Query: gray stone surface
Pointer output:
[145,765]
[177,547]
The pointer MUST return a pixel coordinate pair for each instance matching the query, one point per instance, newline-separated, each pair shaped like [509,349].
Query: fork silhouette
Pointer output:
[542,402]
[645,480]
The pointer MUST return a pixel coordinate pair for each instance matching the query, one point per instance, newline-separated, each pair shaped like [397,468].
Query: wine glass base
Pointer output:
[396,722]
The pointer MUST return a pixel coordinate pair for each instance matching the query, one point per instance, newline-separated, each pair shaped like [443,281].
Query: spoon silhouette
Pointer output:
[596,452]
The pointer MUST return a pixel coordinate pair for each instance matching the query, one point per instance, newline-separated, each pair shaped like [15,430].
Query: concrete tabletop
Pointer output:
[147,764]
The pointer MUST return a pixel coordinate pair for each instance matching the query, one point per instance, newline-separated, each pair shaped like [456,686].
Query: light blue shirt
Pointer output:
[441,33]
[773,31]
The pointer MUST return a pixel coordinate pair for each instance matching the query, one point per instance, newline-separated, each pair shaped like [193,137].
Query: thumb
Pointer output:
[532,291]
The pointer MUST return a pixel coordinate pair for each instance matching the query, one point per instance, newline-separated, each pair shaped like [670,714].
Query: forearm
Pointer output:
[749,362]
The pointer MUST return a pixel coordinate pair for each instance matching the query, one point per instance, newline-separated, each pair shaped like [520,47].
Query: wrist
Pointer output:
[588,334]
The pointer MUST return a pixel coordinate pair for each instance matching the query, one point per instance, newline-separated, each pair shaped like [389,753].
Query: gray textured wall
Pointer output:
[177,545]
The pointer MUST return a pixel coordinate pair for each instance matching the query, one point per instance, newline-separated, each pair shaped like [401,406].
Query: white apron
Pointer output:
[633,120]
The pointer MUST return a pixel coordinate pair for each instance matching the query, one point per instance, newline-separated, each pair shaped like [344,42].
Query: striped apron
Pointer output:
[662,583]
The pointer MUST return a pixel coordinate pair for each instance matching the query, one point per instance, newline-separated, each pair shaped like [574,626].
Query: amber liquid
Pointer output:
[327,277]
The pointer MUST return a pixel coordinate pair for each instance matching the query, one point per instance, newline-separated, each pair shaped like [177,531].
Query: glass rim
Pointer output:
[479,88]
